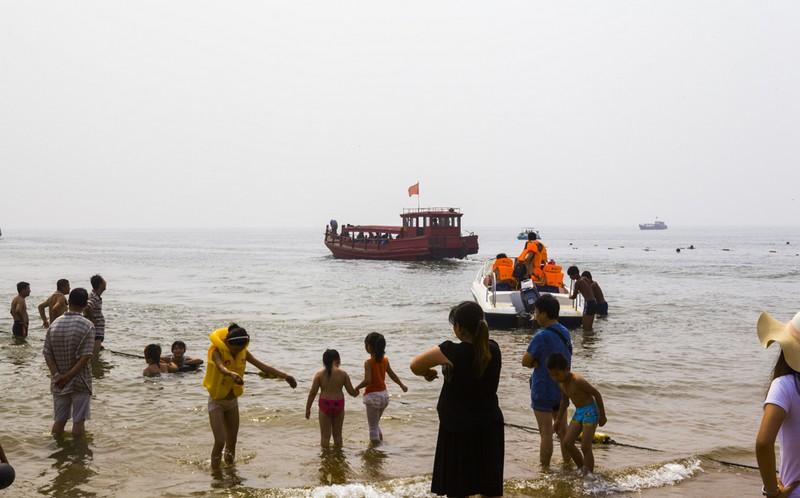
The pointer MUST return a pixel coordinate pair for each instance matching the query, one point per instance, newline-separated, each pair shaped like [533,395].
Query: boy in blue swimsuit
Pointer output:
[589,411]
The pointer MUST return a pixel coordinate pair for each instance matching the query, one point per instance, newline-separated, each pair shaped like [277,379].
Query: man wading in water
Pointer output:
[56,302]
[94,312]
[19,310]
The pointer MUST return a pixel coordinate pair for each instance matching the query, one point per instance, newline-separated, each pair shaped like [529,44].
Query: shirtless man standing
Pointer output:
[57,303]
[584,286]
[19,310]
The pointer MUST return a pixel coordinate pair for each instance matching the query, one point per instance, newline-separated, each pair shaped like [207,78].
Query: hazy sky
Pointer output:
[196,113]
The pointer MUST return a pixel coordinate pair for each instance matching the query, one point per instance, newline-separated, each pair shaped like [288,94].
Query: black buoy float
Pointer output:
[678,250]
[691,246]
[7,475]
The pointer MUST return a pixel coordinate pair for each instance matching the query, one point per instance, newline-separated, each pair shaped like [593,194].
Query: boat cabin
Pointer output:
[425,233]
[427,221]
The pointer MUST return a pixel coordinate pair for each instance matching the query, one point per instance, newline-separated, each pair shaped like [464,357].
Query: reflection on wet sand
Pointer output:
[373,461]
[100,367]
[72,460]
[333,468]
[225,477]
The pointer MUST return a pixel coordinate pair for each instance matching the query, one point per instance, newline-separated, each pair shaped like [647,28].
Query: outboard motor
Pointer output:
[529,294]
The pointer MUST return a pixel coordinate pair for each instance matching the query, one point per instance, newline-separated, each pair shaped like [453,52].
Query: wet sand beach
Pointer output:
[677,361]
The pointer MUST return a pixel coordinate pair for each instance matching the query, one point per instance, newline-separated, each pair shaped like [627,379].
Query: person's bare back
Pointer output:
[331,386]
[584,286]
[57,304]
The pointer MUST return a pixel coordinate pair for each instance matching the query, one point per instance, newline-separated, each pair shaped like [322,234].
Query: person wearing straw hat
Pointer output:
[781,419]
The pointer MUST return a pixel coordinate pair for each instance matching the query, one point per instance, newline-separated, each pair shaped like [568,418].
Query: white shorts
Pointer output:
[73,405]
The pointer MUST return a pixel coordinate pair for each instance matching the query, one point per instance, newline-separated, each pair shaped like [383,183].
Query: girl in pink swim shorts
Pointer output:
[330,380]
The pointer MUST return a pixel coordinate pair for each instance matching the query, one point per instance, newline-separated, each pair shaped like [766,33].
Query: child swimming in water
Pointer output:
[589,411]
[155,366]
[224,381]
[330,380]
[376,399]
[182,361]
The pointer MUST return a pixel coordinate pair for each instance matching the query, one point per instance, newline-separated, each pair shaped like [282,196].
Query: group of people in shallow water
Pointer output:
[470,444]
[469,454]
[533,263]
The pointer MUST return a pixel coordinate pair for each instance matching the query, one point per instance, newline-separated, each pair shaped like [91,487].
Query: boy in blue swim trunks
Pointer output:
[589,411]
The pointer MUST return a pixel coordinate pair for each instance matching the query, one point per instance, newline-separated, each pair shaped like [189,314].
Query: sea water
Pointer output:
[677,360]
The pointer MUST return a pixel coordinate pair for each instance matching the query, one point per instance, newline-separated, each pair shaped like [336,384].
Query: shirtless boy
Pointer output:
[57,303]
[589,411]
[19,310]
[584,286]
[155,367]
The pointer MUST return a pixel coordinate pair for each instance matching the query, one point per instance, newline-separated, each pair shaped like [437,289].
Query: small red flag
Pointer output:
[413,190]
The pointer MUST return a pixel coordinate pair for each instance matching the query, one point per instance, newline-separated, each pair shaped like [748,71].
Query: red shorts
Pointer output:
[331,407]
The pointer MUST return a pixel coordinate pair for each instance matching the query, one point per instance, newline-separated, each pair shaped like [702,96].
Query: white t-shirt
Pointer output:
[785,393]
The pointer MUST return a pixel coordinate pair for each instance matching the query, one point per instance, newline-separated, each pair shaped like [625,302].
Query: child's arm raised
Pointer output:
[586,387]
[312,394]
[349,386]
[394,377]
[367,377]
[216,357]
[270,370]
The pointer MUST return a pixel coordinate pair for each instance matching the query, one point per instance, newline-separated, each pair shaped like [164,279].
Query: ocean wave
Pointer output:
[667,474]
[556,484]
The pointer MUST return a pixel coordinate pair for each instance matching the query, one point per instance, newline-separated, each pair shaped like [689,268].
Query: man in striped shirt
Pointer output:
[94,311]
[68,348]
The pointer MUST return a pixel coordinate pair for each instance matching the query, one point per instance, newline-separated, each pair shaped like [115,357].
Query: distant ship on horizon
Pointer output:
[656,225]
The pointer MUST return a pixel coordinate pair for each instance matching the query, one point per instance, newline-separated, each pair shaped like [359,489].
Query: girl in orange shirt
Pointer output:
[376,399]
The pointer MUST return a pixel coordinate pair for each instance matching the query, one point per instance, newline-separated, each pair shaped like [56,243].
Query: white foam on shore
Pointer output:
[668,474]
[390,489]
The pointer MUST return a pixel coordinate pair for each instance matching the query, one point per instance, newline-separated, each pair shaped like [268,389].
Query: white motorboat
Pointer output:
[508,309]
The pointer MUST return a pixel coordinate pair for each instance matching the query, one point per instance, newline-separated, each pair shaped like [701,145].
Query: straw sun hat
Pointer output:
[786,334]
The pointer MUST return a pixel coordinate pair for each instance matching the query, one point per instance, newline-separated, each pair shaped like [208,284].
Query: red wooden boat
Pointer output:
[426,233]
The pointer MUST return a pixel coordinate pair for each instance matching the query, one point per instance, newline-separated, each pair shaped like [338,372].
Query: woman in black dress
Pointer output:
[470,445]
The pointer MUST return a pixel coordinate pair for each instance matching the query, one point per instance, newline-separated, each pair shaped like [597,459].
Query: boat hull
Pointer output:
[403,249]
[506,310]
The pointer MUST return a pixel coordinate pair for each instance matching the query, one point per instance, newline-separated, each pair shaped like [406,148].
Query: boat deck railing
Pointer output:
[440,210]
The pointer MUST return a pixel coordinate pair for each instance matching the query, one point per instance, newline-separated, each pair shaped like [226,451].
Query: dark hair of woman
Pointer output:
[469,317]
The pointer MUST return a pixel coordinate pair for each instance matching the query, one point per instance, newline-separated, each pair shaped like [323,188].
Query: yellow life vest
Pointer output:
[217,384]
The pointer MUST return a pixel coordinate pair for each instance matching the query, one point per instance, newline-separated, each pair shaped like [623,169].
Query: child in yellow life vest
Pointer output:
[227,357]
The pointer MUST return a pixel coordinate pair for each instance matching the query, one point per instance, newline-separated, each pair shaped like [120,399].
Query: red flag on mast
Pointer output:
[413,190]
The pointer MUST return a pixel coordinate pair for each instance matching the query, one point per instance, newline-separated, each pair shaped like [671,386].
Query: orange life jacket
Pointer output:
[504,268]
[553,275]
[539,252]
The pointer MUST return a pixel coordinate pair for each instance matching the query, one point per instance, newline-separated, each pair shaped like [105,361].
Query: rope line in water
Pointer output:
[605,439]
[129,355]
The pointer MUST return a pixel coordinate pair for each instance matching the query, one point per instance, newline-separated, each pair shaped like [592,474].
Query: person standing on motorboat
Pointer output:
[334,226]
[533,257]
